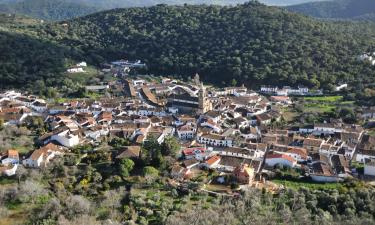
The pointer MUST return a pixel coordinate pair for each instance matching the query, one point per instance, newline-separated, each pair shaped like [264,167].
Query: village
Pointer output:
[241,136]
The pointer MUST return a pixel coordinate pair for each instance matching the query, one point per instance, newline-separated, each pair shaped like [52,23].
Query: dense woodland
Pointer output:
[67,9]
[338,9]
[251,43]
[47,9]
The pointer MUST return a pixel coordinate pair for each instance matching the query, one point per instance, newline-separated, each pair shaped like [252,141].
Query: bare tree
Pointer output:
[79,219]
[53,209]
[30,190]
[77,205]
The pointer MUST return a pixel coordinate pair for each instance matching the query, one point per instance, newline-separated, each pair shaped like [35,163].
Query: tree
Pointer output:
[1,123]
[151,152]
[150,171]
[170,146]
[117,142]
[347,115]
[77,205]
[126,166]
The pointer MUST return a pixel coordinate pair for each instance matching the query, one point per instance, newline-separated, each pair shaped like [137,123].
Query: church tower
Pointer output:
[204,103]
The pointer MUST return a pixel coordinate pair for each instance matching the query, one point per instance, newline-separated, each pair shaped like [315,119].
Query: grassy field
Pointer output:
[218,188]
[324,104]
[318,108]
[307,184]
[84,78]
[290,115]
[324,98]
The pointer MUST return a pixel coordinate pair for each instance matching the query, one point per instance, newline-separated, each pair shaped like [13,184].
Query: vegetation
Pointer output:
[338,9]
[47,9]
[251,44]
[301,206]
[19,138]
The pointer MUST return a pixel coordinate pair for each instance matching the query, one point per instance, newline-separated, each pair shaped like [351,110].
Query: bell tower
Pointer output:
[204,103]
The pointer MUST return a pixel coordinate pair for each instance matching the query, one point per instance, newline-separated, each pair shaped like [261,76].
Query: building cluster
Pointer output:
[368,57]
[228,130]
[77,68]
[289,91]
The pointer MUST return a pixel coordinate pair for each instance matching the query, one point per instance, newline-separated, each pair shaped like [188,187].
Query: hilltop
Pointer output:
[47,9]
[67,9]
[338,9]
[252,44]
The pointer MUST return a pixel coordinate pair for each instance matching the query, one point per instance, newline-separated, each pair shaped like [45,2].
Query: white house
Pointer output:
[268,89]
[308,129]
[211,124]
[39,106]
[212,162]
[186,132]
[251,133]
[215,140]
[66,138]
[324,128]
[96,132]
[42,156]
[75,70]
[365,150]
[340,87]
[11,158]
[370,168]
[81,64]
[8,170]
[299,154]
[139,82]
[274,159]
[321,172]
[215,116]
[199,153]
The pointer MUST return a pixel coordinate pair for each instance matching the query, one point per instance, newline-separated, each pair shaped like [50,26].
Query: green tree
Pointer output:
[150,171]
[151,152]
[126,166]
[1,123]
[117,142]
[234,82]
[170,146]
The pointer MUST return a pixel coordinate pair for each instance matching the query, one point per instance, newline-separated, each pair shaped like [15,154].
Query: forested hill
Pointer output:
[251,43]
[67,9]
[338,9]
[48,9]
[286,2]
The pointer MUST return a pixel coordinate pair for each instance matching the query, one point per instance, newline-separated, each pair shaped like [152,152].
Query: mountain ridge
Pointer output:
[338,9]
[68,9]
[249,44]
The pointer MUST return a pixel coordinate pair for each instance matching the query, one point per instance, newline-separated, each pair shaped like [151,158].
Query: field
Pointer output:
[86,77]
[311,185]
[324,98]
[324,104]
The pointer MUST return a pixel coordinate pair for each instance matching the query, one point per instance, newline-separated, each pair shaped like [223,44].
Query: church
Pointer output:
[188,103]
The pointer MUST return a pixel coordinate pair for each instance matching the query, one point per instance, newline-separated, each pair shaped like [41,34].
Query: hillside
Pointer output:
[67,9]
[252,43]
[338,9]
[286,2]
[48,9]
[110,4]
